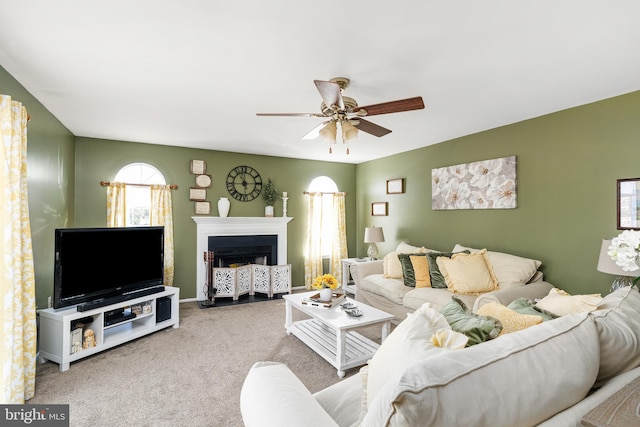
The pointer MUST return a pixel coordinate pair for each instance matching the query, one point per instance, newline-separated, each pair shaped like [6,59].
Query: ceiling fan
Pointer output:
[345,112]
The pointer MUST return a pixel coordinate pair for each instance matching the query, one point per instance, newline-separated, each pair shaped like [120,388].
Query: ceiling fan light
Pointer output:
[329,131]
[349,131]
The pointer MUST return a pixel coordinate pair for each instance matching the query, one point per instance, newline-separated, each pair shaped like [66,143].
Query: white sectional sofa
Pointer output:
[382,283]
[550,374]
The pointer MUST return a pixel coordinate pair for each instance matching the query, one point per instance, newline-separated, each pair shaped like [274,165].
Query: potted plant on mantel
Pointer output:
[269,194]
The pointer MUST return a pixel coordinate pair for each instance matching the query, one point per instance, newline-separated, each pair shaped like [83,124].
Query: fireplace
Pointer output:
[234,251]
[210,226]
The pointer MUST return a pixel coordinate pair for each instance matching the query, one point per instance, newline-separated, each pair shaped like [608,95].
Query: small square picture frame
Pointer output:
[197,194]
[203,208]
[395,186]
[198,167]
[379,208]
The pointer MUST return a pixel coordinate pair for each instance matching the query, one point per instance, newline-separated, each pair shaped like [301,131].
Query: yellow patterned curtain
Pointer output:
[313,241]
[17,282]
[162,214]
[116,204]
[339,239]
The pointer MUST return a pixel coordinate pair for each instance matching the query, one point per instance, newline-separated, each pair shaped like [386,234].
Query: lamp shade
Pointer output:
[329,131]
[373,235]
[349,131]
[606,264]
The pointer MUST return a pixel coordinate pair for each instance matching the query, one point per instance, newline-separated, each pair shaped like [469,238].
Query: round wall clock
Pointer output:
[244,183]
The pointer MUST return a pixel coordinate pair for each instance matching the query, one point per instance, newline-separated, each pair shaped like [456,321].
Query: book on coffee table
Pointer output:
[314,300]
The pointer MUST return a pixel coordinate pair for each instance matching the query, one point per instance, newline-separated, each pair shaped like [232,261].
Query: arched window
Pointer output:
[139,197]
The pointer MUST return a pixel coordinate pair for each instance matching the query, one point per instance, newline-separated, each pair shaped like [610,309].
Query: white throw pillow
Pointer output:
[560,303]
[409,343]
[510,270]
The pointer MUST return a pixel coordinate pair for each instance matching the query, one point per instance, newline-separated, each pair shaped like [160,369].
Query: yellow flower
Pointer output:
[325,281]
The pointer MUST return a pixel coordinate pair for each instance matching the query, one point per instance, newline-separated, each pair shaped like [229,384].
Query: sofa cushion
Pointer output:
[560,303]
[525,305]
[510,270]
[437,279]
[415,270]
[478,328]
[469,274]
[409,343]
[618,321]
[511,320]
[271,385]
[392,289]
[484,385]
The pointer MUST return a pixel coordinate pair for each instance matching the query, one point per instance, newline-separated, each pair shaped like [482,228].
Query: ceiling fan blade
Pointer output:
[315,132]
[372,128]
[330,93]
[392,106]
[291,114]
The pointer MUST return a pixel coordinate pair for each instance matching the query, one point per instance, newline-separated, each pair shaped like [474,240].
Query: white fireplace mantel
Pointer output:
[236,226]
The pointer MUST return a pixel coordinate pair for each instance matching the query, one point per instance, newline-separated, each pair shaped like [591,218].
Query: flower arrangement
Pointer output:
[625,251]
[325,281]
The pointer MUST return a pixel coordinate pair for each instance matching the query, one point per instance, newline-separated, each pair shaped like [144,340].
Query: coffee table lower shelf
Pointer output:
[356,349]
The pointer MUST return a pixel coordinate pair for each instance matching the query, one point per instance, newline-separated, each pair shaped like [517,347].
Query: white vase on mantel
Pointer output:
[223,207]
[326,294]
[268,210]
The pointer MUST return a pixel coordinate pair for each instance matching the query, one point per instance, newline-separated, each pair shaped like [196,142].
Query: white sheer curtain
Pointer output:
[313,241]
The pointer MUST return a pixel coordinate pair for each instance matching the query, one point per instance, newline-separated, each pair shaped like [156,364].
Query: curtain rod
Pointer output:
[323,192]
[107,183]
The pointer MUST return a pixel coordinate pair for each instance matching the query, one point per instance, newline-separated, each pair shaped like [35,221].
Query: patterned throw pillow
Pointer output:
[511,320]
[478,328]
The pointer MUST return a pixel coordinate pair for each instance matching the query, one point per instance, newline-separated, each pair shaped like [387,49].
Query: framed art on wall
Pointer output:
[198,167]
[395,186]
[203,208]
[197,194]
[628,198]
[379,208]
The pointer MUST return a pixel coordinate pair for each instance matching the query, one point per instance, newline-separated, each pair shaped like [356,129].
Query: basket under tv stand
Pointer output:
[141,316]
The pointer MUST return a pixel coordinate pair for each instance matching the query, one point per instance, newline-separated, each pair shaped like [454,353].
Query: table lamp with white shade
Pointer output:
[609,266]
[373,235]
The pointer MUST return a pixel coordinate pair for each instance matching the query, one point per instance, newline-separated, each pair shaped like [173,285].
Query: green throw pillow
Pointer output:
[478,328]
[524,305]
[408,273]
[437,279]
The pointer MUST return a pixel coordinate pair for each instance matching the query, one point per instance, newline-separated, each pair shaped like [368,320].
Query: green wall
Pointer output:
[567,166]
[50,179]
[99,160]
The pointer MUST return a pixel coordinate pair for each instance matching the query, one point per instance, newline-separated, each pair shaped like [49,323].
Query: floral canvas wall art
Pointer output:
[487,184]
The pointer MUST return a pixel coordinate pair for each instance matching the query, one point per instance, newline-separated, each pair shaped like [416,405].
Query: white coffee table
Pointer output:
[328,331]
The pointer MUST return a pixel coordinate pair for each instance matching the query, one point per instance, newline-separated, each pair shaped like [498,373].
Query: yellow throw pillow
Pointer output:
[560,303]
[468,274]
[511,320]
[421,271]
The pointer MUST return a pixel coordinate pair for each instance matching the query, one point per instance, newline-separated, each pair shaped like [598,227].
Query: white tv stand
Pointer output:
[55,327]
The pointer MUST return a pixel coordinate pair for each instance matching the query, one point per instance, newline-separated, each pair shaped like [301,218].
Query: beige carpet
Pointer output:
[190,376]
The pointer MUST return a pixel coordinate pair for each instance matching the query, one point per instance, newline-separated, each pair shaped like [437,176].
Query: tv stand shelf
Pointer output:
[55,327]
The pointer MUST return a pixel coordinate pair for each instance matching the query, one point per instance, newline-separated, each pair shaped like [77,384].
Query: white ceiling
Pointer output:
[194,73]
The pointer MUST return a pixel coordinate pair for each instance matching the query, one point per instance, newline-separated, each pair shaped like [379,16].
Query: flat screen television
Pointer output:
[93,264]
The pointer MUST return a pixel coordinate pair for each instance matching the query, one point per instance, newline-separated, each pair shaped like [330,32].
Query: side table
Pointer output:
[350,266]
[620,410]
